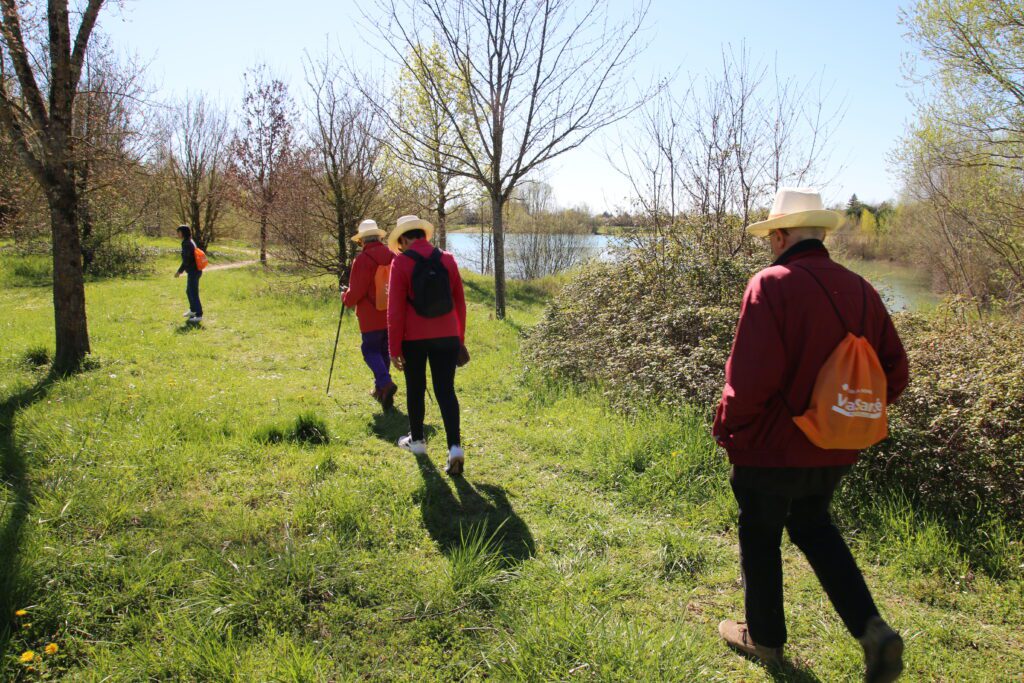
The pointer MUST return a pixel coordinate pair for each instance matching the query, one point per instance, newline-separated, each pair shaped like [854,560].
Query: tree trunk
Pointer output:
[72,331]
[263,237]
[342,253]
[442,228]
[498,230]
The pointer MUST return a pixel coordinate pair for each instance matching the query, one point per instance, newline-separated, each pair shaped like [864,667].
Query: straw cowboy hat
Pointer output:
[796,208]
[366,229]
[405,224]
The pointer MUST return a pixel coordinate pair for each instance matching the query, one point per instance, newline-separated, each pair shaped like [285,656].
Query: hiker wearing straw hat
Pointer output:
[427,325]
[793,428]
[367,293]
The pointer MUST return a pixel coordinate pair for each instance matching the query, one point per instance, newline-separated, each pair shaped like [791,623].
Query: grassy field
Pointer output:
[152,528]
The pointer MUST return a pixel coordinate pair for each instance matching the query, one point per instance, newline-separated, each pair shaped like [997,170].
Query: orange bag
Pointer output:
[201,260]
[848,405]
[380,286]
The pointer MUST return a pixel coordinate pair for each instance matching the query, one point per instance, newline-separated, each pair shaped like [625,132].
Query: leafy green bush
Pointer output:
[650,326]
[120,257]
[659,330]
[957,435]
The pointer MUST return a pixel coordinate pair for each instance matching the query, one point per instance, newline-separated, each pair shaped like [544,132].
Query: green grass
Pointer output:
[153,528]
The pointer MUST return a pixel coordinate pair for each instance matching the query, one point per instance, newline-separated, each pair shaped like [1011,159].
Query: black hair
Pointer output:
[186,231]
[415,234]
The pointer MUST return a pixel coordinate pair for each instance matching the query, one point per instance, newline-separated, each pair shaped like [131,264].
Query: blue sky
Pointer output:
[206,45]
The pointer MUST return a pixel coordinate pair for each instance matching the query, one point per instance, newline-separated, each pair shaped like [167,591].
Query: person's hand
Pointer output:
[399,363]
[178,274]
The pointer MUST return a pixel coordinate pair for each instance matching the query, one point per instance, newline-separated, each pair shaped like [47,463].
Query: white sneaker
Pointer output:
[190,314]
[415,447]
[456,461]
[196,319]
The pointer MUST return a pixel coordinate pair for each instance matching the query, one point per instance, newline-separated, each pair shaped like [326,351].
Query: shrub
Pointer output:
[649,329]
[120,257]
[957,440]
[645,327]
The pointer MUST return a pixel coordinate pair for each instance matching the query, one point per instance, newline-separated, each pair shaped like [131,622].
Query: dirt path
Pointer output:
[227,266]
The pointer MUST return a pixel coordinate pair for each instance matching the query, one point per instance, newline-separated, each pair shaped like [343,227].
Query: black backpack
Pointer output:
[430,287]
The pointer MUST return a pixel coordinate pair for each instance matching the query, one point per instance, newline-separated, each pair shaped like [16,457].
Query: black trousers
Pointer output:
[192,292]
[442,354]
[804,512]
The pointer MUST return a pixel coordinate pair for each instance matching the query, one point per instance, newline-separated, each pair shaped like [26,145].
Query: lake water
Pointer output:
[901,287]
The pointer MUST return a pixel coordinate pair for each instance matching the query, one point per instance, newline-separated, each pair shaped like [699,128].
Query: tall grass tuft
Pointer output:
[309,429]
[476,568]
[37,356]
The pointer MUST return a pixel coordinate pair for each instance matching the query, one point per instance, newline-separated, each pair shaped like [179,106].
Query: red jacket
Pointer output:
[787,330]
[362,292]
[404,324]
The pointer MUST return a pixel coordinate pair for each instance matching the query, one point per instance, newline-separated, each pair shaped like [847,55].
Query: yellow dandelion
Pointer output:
[27,626]
[51,649]
[21,613]
[27,656]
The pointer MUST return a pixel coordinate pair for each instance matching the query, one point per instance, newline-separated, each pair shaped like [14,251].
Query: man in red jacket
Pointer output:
[789,325]
[363,294]
[427,324]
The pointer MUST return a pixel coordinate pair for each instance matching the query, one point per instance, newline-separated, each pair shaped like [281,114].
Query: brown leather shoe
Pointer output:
[737,636]
[883,652]
[388,396]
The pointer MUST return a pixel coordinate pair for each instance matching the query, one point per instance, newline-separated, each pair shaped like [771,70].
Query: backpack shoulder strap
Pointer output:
[414,255]
[824,289]
[435,255]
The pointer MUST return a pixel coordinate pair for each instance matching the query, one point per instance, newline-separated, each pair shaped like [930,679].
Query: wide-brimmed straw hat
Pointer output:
[366,229]
[796,208]
[404,225]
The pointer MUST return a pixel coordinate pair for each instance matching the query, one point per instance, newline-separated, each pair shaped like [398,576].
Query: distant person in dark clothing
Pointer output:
[192,273]
[427,324]
[367,293]
[795,314]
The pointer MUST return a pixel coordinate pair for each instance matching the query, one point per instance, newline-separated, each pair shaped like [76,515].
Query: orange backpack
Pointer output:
[380,287]
[201,260]
[848,405]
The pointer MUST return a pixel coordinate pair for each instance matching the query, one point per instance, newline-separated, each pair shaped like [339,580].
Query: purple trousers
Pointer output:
[376,355]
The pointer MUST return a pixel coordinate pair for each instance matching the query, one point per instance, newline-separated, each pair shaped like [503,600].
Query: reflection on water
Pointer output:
[902,288]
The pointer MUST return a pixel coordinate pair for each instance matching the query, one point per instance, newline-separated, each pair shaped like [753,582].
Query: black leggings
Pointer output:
[441,353]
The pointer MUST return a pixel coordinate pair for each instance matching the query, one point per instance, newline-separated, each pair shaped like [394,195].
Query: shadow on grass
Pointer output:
[17,502]
[188,328]
[390,425]
[791,673]
[449,515]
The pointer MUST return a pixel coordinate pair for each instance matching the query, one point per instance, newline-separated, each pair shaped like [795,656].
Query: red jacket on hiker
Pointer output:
[786,332]
[404,324]
[362,292]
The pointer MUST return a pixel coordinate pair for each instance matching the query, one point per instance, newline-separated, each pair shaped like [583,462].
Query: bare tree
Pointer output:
[540,77]
[198,148]
[710,160]
[343,167]
[41,130]
[264,142]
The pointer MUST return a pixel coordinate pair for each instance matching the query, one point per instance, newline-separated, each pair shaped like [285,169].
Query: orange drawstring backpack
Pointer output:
[847,410]
[201,260]
[380,286]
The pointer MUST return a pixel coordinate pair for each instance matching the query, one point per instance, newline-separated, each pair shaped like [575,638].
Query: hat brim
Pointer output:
[419,224]
[818,218]
[369,233]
